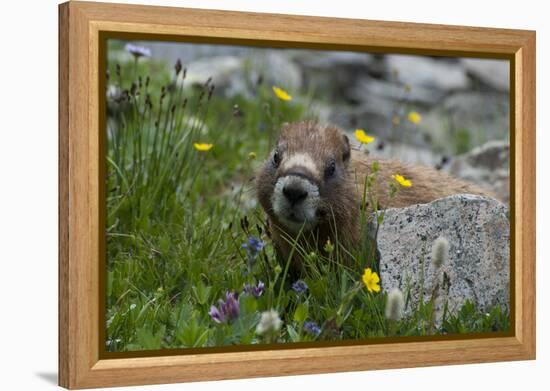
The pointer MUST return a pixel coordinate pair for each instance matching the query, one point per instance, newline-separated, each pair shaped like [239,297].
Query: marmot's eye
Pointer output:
[331,169]
[276,158]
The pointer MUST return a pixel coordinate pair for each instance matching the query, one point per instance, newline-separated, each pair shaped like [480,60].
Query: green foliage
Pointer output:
[462,141]
[177,219]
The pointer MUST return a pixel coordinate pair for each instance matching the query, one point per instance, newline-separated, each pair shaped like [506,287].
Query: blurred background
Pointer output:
[462,104]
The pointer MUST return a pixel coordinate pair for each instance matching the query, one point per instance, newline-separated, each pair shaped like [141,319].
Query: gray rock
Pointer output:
[368,87]
[487,166]
[275,67]
[375,117]
[224,71]
[421,71]
[170,52]
[238,75]
[467,118]
[406,152]
[493,73]
[478,266]
[327,60]
[332,74]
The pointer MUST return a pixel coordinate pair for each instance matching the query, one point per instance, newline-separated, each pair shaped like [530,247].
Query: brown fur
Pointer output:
[341,196]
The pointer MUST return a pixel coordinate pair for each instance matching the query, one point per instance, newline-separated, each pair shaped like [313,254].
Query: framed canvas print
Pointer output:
[247,195]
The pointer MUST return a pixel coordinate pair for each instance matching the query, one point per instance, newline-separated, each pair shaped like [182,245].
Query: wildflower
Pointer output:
[252,155]
[312,328]
[133,306]
[329,247]
[203,147]
[440,251]
[312,256]
[402,181]
[414,117]
[255,290]
[362,137]
[395,305]
[237,112]
[178,67]
[270,323]
[281,94]
[137,51]
[227,309]
[253,247]
[299,286]
[371,280]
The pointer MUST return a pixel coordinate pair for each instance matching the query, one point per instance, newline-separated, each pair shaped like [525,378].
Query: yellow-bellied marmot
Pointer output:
[313,182]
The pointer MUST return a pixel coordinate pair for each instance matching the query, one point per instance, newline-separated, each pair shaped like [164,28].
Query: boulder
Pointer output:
[492,73]
[238,75]
[488,166]
[366,87]
[467,118]
[224,70]
[422,71]
[331,74]
[275,68]
[478,265]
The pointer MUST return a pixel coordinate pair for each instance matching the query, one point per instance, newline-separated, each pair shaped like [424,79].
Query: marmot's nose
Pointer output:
[294,193]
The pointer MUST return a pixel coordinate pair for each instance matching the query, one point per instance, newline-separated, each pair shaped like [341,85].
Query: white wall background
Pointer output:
[28,193]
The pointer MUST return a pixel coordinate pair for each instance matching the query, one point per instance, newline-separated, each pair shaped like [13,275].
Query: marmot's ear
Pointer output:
[347,150]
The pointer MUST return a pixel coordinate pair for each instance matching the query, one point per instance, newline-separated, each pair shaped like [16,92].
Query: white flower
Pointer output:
[133,306]
[270,322]
[395,305]
[440,251]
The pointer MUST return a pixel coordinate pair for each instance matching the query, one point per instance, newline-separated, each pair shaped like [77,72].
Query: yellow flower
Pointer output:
[252,155]
[402,181]
[362,137]
[203,147]
[281,94]
[371,280]
[414,117]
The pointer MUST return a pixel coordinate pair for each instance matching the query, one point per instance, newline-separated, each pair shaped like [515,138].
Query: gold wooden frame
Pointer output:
[80,27]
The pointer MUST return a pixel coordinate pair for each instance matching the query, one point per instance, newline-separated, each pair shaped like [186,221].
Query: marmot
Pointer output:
[313,181]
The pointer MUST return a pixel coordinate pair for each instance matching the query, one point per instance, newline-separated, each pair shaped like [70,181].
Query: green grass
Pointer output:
[177,220]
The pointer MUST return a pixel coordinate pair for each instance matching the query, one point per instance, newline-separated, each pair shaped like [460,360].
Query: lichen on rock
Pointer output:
[478,265]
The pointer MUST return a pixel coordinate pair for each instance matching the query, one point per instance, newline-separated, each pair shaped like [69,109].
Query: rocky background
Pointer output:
[463,102]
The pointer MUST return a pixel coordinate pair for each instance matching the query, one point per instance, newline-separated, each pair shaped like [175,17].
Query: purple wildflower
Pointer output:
[137,51]
[216,315]
[312,328]
[255,290]
[253,247]
[299,286]
[227,310]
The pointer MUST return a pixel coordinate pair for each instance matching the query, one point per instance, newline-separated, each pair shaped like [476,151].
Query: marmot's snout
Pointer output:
[295,200]
[295,192]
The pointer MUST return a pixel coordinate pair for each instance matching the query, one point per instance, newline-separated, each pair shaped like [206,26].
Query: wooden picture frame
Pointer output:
[81,29]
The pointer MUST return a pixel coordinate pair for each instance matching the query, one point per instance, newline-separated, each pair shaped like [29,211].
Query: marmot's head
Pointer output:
[302,182]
